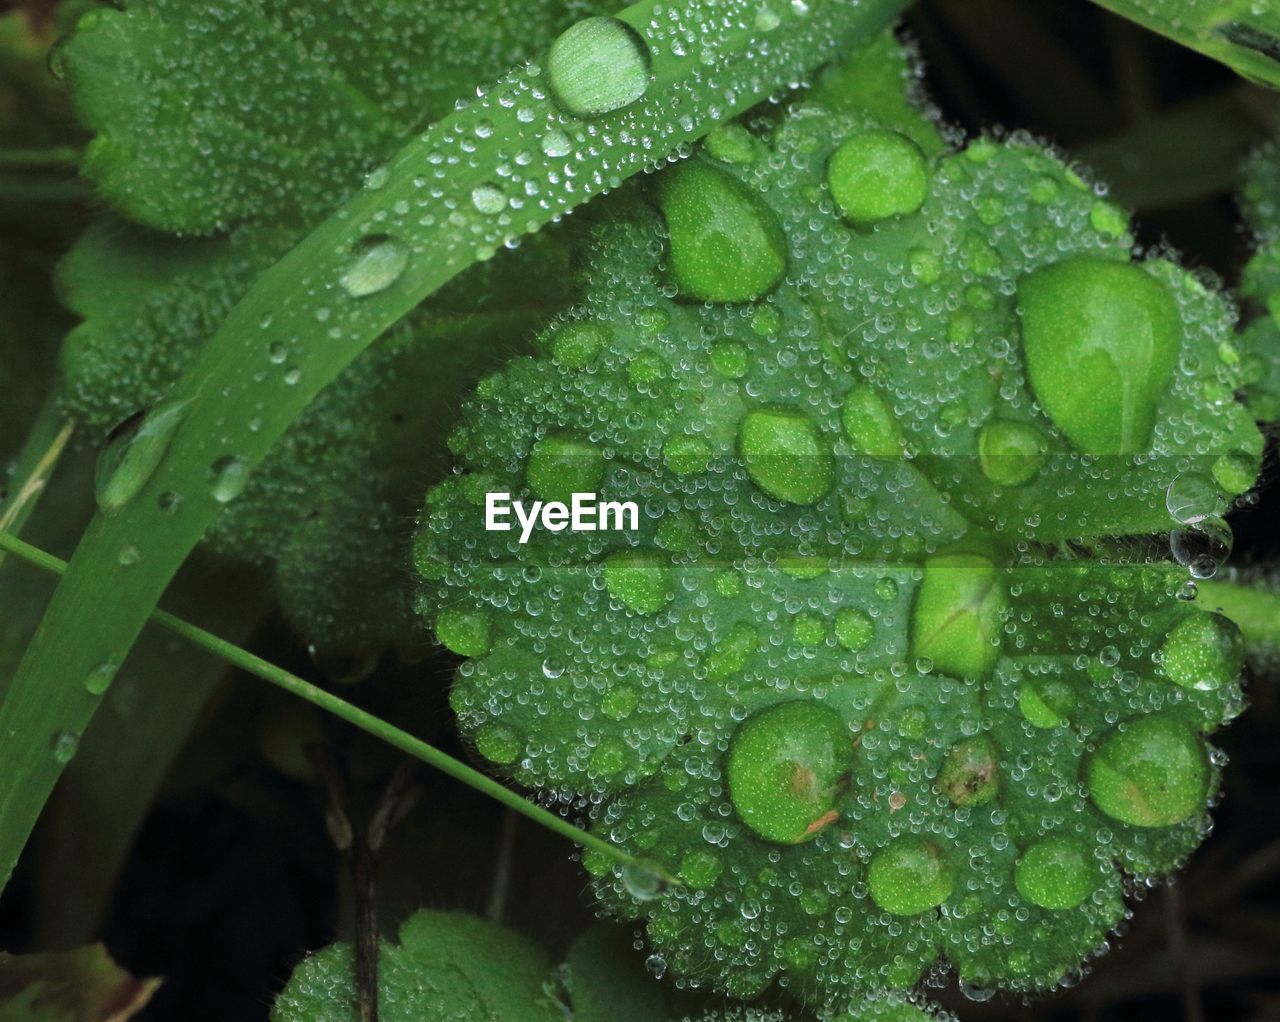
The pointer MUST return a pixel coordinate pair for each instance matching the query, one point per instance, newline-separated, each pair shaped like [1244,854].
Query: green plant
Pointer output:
[786,691]
[890,672]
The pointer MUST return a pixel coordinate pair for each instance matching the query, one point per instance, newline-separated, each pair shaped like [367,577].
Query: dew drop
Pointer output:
[377,262]
[555,143]
[785,455]
[170,502]
[643,880]
[488,199]
[64,745]
[132,456]
[228,477]
[598,65]
[98,680]
[767,20]
[1202,548]
[1191,498]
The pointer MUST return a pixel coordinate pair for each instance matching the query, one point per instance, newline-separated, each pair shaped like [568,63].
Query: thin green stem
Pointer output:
[40,156]
[23,189]
[45,442]
[1246,40]
[1254,609]
[344,710]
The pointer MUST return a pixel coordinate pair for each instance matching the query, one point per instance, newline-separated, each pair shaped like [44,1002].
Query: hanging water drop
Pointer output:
[377,262]
[1202,548]
[1192,497]
[643,880]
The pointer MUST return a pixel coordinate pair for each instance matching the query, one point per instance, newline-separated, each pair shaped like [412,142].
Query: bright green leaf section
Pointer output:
[446,967]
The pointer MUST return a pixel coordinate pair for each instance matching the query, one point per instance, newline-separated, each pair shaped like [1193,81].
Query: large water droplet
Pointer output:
[555,143]
[98,680]
[1192,497]
[785,455]
[228,477]
[643,881]
[488,199]
[785,768]
[64,745]
[876,175]
[598,65]
[377,262]
[1202,548]
[132,455]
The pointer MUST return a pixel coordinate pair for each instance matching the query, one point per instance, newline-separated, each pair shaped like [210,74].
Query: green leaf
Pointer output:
[83,985]
[892,533]
[446,967]
[1240,33]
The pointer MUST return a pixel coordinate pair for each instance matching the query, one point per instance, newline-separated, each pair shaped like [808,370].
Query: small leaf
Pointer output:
[83,985]
[446,967]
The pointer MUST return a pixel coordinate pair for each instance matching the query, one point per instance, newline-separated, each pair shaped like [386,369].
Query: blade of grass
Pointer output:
[48,156]
[125,757]
[34,464]
[712,62]
[352,714]
[1239,33]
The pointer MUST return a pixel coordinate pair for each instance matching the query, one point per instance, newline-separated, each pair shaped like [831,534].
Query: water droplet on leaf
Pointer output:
[377,262]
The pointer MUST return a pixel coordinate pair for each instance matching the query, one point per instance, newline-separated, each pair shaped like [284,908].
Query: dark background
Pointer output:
[232,876]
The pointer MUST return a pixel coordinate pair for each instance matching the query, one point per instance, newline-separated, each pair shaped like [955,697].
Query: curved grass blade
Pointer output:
[503,166]
[1242,34]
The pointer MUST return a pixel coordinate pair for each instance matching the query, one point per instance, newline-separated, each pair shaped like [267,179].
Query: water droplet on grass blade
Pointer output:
[597,66]
[377,262]
[98,680]
[555,143]
[488,199]
[64,745]
[228,477]
[132,456]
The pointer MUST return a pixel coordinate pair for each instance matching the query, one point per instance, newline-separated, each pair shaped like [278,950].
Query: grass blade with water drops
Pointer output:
[1243,34]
